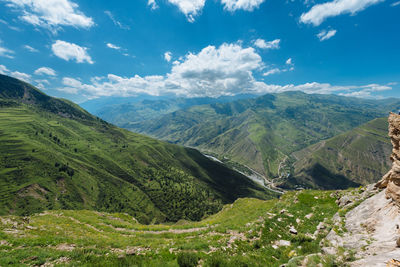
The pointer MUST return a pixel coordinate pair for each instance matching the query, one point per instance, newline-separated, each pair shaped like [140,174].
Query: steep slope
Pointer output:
[356,157]
[55,155]
[262,133]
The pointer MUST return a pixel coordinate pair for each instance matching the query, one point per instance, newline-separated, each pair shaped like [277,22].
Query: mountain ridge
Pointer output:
[56,155]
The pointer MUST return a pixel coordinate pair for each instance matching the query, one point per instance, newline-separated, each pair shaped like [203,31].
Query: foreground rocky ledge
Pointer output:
[372,229]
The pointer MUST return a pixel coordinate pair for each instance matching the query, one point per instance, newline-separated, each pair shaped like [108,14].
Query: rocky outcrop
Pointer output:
[371,232]
[391,180]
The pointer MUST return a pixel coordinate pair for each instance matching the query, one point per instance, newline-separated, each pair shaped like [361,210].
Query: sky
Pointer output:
[82,50]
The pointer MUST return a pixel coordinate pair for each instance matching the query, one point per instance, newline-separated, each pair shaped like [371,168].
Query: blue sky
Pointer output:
[86,49]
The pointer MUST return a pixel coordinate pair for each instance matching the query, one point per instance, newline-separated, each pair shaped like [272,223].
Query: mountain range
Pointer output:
[55,155]
[263,133]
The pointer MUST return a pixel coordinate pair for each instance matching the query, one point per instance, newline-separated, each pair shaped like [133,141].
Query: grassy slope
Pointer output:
[262,132]
[54,155]
[359,155]
[242,234]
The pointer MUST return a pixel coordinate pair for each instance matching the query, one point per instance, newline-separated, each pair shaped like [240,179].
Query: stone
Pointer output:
[282,243]
[308,216]
[292,230]
[391,180]
[398,242]
[320,226]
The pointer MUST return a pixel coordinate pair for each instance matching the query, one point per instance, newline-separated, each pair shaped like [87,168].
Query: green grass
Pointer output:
[359,155]
[262,132]
[54,155]
[239,234]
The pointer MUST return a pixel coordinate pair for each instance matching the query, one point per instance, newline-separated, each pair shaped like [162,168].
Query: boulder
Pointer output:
[391,180]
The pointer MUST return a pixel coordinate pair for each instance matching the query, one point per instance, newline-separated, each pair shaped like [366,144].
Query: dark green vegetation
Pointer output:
[262,133]
[55,155]
[245,233]
[358,156]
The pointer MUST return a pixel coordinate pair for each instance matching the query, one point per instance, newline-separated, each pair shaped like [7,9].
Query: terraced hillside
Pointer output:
[263,132]
[55,155]
[356,157]
[249,232]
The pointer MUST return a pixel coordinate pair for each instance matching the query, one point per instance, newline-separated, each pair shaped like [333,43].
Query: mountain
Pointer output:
[126,111]
[263,132]
[359,156]
[55,155]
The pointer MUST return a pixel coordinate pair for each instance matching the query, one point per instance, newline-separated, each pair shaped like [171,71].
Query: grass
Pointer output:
[359,155]
[262,132]
[54,155]
[240,234]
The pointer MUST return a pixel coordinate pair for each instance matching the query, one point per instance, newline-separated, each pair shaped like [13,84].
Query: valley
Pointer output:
[267,134]
[55,155]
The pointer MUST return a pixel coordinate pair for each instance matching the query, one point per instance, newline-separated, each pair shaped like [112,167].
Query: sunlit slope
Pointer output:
[262,132]
[359,156]
[54,155]
[244,233]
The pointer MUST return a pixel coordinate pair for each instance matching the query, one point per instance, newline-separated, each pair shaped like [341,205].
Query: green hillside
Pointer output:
[124,111]
[55,155]
[245,233]
[262,133]
[358,156]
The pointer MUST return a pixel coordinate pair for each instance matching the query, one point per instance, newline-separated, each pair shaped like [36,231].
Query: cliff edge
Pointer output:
[391,180]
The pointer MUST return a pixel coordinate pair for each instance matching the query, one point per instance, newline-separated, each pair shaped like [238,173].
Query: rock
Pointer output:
[308,216]
[329,250]
[343,201]
[283,211]
[298,221]
[65,247]
[321,226]
[393,263]
[398,242]
[391,180]
[292,230]
[282,243]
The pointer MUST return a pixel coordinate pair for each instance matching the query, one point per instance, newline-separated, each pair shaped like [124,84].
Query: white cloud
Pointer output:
[318,13]
[289,67]
[112,46]
[395,4]
[70,51]
[3,70]
[225,70]
[168,56]
[41,84]
[115,21]
[5,52]
[325,35]
[272,71]
[31,49]
[213,71]
[248,5]
[51,14]
[367,90]
[153,5]
[191,8]
[45,71]
[20,75]
[260,43]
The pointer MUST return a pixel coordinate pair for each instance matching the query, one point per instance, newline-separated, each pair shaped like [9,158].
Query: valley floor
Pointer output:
[291,230]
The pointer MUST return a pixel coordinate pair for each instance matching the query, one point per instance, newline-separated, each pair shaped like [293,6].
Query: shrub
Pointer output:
[186,259]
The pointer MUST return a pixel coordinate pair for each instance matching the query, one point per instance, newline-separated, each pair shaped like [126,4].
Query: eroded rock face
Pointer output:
[391,180]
